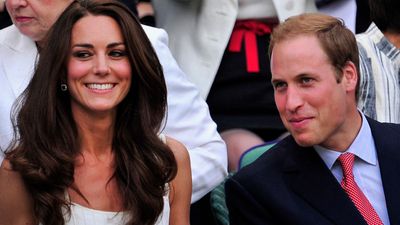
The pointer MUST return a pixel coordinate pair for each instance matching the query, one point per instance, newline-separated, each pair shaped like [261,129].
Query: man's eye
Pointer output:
[279,85]
[306,80]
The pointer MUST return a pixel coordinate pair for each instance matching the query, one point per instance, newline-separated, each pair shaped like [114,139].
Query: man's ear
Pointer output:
[350,76]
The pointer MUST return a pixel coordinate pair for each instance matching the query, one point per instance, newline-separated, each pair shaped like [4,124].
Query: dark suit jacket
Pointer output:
[290,184]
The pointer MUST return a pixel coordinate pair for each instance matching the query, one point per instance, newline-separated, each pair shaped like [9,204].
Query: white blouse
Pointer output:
[81,215]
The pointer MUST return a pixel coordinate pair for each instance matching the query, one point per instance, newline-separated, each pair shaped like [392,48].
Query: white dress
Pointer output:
[81,215]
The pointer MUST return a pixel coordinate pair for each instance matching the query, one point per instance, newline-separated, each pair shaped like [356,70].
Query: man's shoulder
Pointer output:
[385,134]
[377,126]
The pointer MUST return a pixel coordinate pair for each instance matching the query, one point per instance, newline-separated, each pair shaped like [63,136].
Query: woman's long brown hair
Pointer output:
[46,138]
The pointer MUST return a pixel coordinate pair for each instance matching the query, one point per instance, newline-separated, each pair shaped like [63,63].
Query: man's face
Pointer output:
[312,104]
[34,18]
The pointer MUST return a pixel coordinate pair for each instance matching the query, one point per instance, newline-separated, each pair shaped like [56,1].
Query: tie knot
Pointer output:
[347,161]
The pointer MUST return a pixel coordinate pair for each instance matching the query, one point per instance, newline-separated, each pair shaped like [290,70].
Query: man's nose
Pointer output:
[294,99]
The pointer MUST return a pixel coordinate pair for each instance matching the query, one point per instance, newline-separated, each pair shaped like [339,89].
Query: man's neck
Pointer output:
[393,37]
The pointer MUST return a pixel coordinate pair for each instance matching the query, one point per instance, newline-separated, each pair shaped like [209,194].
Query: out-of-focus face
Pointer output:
[313,105]
[99,72]
[34,18]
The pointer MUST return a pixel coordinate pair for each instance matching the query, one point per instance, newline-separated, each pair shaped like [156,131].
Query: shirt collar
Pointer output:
[381,42]
[363,147]
[15,40]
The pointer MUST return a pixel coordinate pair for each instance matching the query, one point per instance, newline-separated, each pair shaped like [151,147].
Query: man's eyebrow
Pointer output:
[275,80]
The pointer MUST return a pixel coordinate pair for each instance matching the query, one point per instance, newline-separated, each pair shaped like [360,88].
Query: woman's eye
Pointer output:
[81,54]
[117,53]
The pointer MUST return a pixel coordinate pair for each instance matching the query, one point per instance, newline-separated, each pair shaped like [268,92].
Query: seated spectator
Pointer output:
[93,154]
[187,120]
[308,177]
[379,47]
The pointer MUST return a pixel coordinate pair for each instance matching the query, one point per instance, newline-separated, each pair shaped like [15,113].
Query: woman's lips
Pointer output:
[23,19]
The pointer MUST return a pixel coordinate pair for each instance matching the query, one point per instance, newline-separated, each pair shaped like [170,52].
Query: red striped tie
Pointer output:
[354,192]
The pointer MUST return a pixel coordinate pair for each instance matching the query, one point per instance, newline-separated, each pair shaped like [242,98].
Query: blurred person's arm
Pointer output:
[188,120]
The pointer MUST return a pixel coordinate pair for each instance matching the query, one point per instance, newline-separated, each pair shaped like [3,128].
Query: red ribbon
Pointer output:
[248,29]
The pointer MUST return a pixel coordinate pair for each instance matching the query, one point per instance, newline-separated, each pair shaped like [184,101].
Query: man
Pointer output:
[379,49]
[188,118]
[314,64]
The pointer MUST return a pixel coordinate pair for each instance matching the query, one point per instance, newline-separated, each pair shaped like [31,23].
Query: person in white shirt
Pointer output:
[379,48]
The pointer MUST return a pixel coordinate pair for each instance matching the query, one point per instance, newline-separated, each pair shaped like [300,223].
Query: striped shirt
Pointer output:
[379,92]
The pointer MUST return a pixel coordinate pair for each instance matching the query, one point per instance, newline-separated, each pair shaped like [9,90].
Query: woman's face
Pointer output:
[99,72]
[34,18]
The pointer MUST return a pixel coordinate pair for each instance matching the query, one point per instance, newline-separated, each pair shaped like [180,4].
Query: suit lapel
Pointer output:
[387,143]
[309,177]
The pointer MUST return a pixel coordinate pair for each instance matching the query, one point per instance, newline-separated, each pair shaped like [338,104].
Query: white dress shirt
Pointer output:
[366,168]
[188,118]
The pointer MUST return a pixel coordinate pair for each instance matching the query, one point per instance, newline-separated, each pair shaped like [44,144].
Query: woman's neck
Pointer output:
[95,132]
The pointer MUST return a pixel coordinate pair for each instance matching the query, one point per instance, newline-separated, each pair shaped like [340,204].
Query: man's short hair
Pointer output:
[336,40]
[386,14]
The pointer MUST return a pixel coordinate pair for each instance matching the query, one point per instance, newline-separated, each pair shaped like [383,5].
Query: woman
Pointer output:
[19,45]
[98,98]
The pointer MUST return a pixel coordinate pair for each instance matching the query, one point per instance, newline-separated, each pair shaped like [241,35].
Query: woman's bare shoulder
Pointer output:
[180,152]
[181,186]
[8,177]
